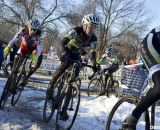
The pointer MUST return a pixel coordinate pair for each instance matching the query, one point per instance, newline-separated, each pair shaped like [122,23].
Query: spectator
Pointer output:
[1,53]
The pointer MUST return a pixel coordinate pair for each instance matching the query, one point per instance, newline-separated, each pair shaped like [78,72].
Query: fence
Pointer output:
[133,78]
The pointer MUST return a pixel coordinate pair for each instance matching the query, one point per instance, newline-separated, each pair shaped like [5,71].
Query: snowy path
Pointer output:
[27,114]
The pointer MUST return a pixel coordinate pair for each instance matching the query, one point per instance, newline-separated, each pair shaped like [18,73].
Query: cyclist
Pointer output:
[109,57]
[76,41]
[150,54]
[31,43]
[112,60]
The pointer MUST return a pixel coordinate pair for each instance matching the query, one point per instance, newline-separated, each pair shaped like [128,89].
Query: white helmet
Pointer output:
[90,19]
[34,23]
[109,50]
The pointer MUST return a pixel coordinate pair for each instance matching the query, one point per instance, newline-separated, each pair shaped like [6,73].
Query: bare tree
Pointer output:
[8,31]
[77,12]
[18,12]
[52,38]
[115,14]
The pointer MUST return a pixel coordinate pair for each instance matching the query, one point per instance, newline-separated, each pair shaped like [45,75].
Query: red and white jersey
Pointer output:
[28,43]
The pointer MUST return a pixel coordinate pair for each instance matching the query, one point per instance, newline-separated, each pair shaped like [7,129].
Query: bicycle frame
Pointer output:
[104,80]
[72,74]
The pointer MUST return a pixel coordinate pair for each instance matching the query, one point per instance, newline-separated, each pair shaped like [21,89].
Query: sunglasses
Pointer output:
[92,26]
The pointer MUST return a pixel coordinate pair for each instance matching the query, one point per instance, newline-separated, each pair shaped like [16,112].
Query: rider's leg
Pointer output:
[154,93]
[63,114]
[152,96]
[32,70]
[15,65]
[12,55]
[15,68]
[65,63]
[111,70]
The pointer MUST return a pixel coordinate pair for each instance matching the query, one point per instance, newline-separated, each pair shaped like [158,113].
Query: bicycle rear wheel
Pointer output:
[6,91]
[73,106]
[121,110]
[51,105]
[94,87]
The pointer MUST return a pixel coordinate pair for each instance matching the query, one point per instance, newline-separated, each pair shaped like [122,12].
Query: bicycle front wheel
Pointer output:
[72,107]
[51,105]
[121,110]
[6,92]
[17,91]
[94,87]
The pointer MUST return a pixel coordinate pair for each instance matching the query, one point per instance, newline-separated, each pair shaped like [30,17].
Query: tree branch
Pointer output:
[16,13]
[44,20]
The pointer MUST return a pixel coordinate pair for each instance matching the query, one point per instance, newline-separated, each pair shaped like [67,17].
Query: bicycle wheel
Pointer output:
[155,115]
[51,105]
[153,123]
[121,110]
[94,87]
[17,91]
[6,92]
[72,108]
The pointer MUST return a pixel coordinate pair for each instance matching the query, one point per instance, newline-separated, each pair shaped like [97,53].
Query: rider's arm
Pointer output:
[71,39]
[16,38]
[39,46]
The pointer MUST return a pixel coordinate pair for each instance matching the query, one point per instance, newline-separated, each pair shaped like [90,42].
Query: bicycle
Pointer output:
[103,82]
[66,95]
[12,86]
[131,102]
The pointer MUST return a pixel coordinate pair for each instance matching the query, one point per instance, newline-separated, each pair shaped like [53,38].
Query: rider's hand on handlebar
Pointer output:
[7,50]
[33,57]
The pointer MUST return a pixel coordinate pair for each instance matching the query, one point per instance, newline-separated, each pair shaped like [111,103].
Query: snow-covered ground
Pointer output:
[27,114]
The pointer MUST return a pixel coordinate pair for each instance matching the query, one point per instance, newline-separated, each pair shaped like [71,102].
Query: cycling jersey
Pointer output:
[150,48]
[77,39]
[28,43]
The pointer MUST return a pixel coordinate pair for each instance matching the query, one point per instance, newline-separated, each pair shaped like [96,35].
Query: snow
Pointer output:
[27,114]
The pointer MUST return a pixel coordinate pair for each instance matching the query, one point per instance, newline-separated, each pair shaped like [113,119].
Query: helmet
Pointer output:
[90,19]
[109,50]
[34,23]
